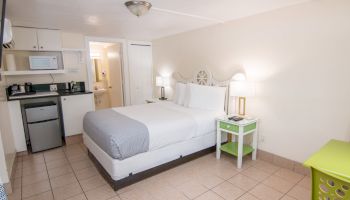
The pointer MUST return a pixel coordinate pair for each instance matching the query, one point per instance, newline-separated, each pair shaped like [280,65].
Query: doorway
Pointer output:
[106,73]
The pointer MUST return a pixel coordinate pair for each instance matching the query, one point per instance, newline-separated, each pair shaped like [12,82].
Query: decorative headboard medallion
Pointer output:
[202,77]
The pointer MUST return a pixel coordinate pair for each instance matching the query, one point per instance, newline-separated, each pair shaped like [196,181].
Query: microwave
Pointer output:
[43,62]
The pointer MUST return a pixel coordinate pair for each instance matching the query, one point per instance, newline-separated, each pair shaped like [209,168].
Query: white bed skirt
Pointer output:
[119,169]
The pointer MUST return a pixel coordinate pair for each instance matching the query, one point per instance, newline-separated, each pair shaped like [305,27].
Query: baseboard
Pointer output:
[283,162]
[74,139]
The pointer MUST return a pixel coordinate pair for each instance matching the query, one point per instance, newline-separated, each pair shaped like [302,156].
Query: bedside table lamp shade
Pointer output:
[242,89]
[162,82]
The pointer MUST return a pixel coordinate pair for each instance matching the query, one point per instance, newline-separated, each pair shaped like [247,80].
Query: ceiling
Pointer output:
[110,18]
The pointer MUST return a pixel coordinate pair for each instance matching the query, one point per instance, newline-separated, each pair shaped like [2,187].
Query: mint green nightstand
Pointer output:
[239,129]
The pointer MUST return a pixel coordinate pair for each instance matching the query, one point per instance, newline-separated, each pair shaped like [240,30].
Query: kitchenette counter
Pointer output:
[43,90]
[68,93]
[31,96]
[46,94]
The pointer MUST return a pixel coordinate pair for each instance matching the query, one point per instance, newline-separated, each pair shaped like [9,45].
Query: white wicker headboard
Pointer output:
[201,77]
[205,77]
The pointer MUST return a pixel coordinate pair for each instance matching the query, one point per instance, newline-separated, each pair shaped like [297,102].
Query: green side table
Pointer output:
[238,129]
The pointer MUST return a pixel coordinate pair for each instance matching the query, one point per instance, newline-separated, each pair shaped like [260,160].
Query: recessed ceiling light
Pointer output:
[138,8]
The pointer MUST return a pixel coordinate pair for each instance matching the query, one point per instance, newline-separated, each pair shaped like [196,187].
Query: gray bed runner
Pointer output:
[118,135]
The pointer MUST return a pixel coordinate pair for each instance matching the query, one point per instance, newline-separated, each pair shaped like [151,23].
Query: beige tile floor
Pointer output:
[67,173]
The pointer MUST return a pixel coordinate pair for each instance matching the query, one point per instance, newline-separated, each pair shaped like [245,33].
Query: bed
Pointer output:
[160,135]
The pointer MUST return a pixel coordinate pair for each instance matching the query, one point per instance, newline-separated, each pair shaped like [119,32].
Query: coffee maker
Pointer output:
[28,87]
[16,89]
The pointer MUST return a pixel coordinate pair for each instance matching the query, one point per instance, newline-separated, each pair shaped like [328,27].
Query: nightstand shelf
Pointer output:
[232,148]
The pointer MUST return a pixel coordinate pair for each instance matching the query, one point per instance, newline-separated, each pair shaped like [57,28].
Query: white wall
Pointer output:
[7,146]
[4,178]
[300,58]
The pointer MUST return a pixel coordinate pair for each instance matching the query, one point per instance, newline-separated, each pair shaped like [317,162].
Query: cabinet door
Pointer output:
[49,40]
[73,109]
[16,125]
[140,69]
[25,39]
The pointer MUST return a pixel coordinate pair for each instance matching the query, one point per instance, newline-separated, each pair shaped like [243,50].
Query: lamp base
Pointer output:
[241,106]
[163,98]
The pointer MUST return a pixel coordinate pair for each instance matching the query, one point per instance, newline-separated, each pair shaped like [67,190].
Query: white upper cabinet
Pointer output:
[25,39]
[32,39]
[49,40]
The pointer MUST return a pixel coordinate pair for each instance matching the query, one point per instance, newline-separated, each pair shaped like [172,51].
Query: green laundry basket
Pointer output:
[330,169]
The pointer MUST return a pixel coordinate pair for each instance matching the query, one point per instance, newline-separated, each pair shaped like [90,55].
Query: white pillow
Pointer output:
[187,95]
[207,97]
[180,93]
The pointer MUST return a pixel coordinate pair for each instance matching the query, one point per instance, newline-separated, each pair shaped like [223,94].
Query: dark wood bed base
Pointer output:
[133,178]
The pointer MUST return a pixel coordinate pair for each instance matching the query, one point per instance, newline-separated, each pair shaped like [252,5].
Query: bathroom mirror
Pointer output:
[97,69]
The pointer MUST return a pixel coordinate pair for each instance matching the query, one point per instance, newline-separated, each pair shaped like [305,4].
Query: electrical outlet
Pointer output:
[261,139]
[53,87]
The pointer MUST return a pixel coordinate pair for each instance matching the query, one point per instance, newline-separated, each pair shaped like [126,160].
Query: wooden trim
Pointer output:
[133,178]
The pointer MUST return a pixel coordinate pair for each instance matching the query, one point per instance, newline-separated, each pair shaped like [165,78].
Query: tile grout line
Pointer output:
[47,171]
[70,165]
[115,192]
[261,182]
[280,177]
[226,180]
[293,187]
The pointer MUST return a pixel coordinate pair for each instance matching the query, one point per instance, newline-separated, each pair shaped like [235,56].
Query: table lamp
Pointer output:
[242,89]
[162,82]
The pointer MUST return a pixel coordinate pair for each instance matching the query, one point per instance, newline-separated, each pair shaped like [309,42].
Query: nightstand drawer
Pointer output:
[249,127]
[229,127]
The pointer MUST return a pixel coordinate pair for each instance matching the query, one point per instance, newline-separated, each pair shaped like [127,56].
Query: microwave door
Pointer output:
[43,62]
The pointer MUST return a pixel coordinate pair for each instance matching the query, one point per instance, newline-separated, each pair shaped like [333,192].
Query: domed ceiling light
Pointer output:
[138,8]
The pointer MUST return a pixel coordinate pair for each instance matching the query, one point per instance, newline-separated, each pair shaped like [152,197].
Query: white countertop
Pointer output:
[38,94]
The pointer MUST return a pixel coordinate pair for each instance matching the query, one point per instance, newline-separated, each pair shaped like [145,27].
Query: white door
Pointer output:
[74,109]
[140,72]
[25,39]
[115,86]
[49,40]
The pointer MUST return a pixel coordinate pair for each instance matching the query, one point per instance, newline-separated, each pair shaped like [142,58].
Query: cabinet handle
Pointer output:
[64,99]
[34,47]
[41,47]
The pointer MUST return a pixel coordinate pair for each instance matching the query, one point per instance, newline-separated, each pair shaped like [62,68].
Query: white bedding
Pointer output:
[169,123]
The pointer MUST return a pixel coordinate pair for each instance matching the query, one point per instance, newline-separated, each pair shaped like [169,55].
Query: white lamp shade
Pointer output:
[162,81]
[242,89]
[159,81]
[239,77]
